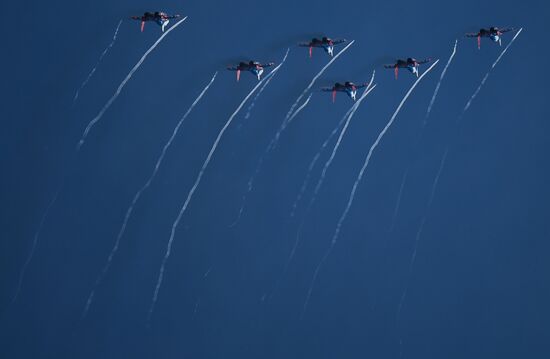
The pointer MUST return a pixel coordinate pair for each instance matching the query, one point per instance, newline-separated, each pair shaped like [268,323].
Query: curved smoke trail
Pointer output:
[291,114]
[432,101]
[97,118]
[253,103]
[259,166]
[399,196]
[195,186]
[98,62]
[35,241]
[356,184]
[302,191]
[138,195]
[349,116]
[337,145]
[121,86]
[288,118]
[428,111]
[421,228]
[436,181]
[314,161]
[488,72]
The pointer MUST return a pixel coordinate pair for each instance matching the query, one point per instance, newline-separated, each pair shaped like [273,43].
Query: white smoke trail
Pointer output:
[121,86]
[399,195]
[420,229]
[337,145]
[253,103]
[430,201]
[98,62]
[356,184]
[195,186]
[196,306]
[314,161]
[288,117]
[428,111]
[432,101]
[349,116]
[291,114]
[35,241]
[204,277]
[488,72]
[301,193]
[300,108]
[250,184]
[138,195]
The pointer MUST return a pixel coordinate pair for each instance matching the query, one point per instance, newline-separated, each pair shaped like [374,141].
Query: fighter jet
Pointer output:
[410,64]
[253,66]
[325,43]
[161,18]
[348,87]
[494,33]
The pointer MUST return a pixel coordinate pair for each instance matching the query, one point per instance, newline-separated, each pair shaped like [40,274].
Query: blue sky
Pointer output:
[479,286]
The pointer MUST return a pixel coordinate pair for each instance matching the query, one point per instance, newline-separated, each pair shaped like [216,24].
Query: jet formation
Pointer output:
[328,44]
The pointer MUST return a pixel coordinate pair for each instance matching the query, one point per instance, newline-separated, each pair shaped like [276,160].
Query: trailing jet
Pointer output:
[253,66]
[161,18]
[494,33]
[410,64]
[348,87]
[325,43]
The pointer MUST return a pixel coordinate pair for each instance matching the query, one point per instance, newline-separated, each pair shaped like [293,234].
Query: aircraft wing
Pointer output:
[389,66]
[233,68]
[304,44]
[425,61]
[268,64]
[339,41]
[172,16]
[327,89]
[472,34]
[361,85]
[507,29]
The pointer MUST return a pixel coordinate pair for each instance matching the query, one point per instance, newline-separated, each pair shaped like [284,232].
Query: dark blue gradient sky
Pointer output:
[479,288]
